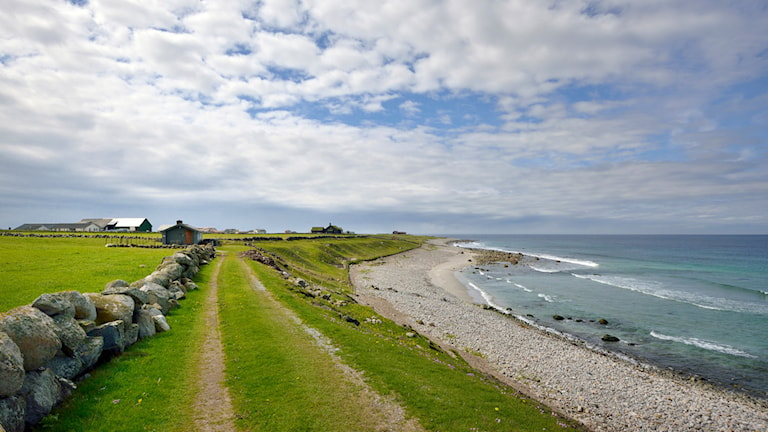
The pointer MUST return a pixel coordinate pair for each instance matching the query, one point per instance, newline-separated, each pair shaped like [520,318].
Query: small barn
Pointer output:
[181,234]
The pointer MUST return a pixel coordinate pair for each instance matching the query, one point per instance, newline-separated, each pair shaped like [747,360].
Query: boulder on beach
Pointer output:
[609,338]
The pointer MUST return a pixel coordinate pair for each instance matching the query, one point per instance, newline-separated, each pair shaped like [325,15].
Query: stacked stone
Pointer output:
[47,345]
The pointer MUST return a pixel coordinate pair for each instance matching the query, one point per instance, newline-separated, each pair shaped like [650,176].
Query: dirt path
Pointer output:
[212,409]
[388,415]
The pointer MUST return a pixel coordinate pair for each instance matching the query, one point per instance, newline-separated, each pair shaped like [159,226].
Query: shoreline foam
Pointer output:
[603,392]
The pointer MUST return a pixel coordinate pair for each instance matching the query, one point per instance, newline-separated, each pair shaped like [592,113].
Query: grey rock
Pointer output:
[139,297]
[55,304]
[131,334]
[65,366]
[113,334]
[11,366]
[84,307]
[112,307]
[157,294]
[69,332]
[33,332]
[89,352]
[12,412]
[117,283]
[146,325]
[161,324]
[41,392]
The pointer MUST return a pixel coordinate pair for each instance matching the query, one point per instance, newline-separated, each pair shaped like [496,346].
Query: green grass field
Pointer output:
[278,378]
[30,266]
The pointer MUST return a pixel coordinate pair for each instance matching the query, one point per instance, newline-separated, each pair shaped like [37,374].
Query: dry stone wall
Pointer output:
[49,345]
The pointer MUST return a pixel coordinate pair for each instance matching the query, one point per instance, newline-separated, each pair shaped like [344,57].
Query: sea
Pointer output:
[696,305]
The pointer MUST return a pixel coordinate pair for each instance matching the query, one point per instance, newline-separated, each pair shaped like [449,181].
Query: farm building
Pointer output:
[78,226]
[181,234]
[330,229]
[122,224]
[93,225]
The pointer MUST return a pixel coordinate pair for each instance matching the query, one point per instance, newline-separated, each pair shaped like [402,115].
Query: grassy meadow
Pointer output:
[30,266]
[279,379]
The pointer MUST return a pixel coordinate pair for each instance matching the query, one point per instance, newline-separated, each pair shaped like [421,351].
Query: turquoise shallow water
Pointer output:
[695,304]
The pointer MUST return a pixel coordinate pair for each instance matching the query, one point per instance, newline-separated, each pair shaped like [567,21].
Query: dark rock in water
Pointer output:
[602,321]
[609,338]
[558,317]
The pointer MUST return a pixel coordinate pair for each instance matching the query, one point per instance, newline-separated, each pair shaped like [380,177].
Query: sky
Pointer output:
[426,116]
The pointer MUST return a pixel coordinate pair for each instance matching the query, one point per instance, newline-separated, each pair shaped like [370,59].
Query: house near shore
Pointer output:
[330,229]
[181,234]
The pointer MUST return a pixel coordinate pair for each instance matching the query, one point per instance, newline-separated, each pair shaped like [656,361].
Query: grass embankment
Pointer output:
[150,387]
[280,380]
[437,388]
[30,266]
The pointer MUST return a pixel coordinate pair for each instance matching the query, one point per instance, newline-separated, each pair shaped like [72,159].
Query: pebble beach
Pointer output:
[603,392]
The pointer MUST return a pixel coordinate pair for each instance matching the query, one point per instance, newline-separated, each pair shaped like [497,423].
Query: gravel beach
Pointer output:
[604,393]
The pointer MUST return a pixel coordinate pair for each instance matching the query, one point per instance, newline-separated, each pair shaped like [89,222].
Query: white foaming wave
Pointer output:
[526,289]
[585,263]
[656,289]
[476,245]
[543,270]
[707,345]
[547,298]
[487,297]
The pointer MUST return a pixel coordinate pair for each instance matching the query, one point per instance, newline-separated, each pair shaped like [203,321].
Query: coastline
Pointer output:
[419,288]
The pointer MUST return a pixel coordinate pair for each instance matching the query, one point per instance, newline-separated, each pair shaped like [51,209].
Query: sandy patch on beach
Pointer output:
[418,288]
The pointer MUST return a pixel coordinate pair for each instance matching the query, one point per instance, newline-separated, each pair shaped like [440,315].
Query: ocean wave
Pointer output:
[487,297]
[656,289]
[476,245]
[526,289]
[585,263]
[547,298]
[543,270]
[707,345]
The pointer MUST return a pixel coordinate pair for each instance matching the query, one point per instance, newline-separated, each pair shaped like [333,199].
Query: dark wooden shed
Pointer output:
[181,234]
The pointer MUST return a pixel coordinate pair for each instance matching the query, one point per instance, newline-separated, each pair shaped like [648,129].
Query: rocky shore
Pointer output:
[605,393]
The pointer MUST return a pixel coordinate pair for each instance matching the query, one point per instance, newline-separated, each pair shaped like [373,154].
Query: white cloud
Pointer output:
[604,108]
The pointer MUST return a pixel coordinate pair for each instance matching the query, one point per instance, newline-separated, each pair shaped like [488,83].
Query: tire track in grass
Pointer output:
[389,415]
[212,409]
